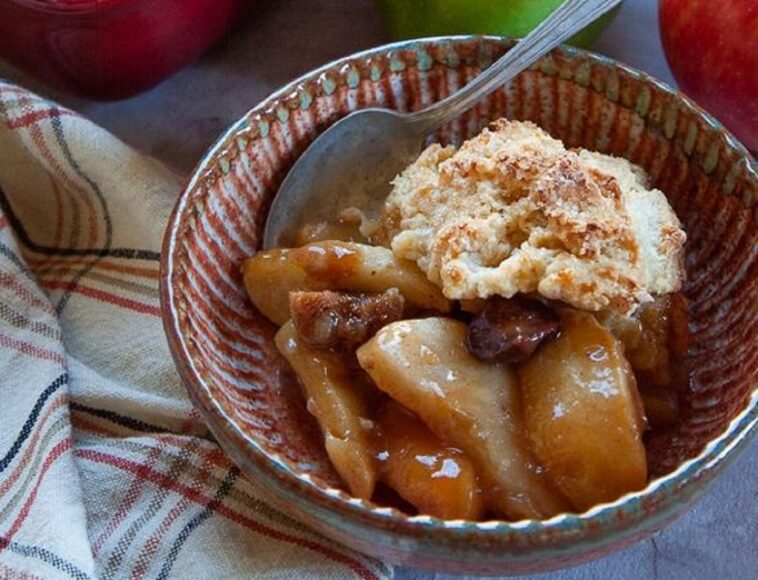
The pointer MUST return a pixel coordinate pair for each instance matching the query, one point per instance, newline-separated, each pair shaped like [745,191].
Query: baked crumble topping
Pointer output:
[513,211]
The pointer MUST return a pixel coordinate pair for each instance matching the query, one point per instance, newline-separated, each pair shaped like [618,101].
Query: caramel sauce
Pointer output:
[435,478]
[418,471]
[421,473]
[330,264]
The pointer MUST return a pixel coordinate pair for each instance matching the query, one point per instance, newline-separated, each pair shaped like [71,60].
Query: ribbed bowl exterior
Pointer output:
[224,351]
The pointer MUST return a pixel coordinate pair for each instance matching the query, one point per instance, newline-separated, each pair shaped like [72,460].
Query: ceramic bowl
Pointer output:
[224,351]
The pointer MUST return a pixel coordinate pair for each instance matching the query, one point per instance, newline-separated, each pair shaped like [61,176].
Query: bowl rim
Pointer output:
[674,488]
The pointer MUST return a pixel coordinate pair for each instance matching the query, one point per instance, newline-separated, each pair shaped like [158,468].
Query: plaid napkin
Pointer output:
[105,469]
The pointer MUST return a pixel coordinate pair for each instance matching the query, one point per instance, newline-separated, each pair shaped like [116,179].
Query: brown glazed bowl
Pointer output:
[224,351]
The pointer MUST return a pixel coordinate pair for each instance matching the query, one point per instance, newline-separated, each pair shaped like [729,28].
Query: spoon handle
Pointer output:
[568,19]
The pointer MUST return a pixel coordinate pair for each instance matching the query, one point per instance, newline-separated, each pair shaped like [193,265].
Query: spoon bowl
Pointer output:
[350,164]
[353,162]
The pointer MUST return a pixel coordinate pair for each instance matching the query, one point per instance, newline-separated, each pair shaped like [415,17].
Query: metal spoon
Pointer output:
[353,162]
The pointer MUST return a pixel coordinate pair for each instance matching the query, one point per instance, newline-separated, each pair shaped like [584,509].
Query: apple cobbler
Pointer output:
[499,341]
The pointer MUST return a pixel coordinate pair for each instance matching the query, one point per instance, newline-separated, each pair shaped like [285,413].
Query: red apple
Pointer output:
[712,49]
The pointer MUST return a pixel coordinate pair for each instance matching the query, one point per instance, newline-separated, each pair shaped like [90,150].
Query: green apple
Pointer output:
[516,18]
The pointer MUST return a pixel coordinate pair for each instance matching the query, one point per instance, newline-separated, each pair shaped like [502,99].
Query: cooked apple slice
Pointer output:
[334,396]
[437,479]
[425,366]
[655,340]
[270,276]
[583,414]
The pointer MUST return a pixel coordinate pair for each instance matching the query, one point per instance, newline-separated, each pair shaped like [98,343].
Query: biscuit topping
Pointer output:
[512,211]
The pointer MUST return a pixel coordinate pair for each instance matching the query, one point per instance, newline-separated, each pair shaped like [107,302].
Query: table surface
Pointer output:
[179,119]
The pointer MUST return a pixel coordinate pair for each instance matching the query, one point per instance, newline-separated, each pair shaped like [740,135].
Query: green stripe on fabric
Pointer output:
[25,239]
[48,557]
[57,126]
[248,502]
[121,420]
[18,320]
[243,499]
[30,477]
[31,419]
[198,519]
[176,469]
[10,105]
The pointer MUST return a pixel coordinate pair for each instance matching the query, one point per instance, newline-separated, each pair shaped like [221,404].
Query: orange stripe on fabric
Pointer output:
[150,546]
[81,424]
[212,456]
[55,169]
[217,458]
[39,140]
[34,116]
[10,574]
[51,458]
[111,282]
[30,349]
[31,445]
[11,282]
[103,296]
[101,265]
[204,500]
[58,213]
[130,497]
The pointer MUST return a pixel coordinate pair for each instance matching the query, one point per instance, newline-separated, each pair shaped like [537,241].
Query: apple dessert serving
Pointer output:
[499,340]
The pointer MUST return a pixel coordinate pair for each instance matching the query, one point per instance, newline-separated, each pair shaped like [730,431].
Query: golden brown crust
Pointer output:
[512,211]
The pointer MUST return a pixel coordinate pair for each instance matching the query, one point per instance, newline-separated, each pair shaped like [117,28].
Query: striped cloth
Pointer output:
[105,469]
